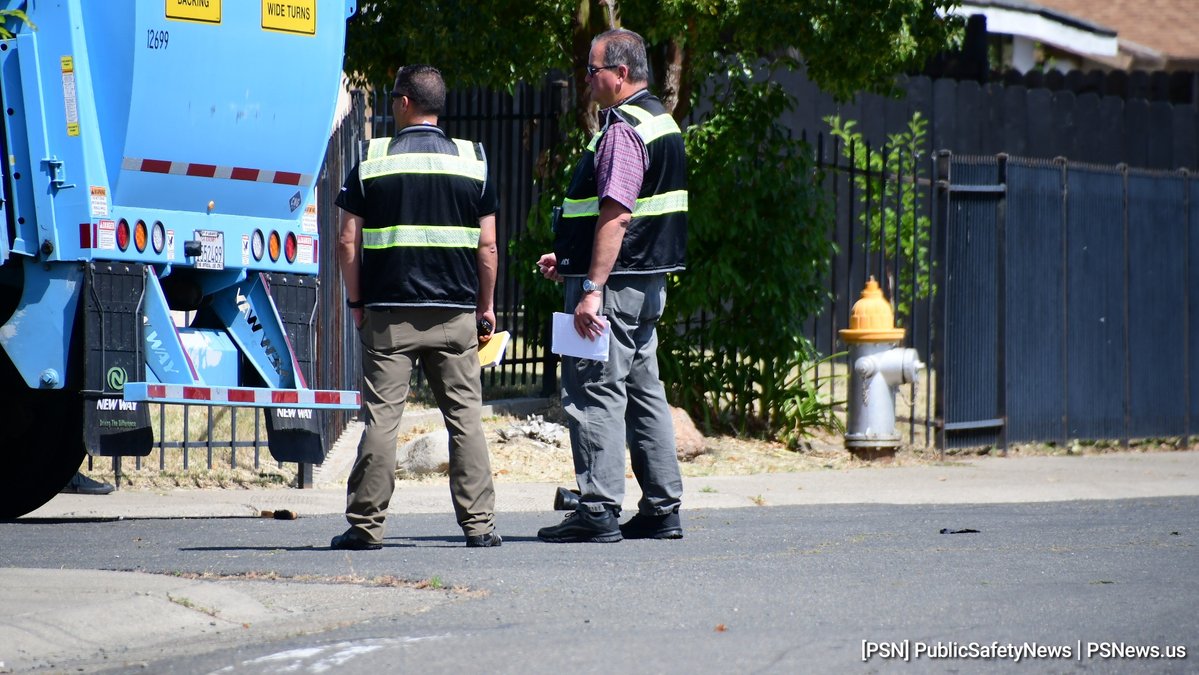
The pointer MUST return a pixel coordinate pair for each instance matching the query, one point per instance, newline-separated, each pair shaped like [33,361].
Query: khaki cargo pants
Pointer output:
[445,342]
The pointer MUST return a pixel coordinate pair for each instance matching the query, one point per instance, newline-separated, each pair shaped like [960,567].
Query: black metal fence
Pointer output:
[881,222]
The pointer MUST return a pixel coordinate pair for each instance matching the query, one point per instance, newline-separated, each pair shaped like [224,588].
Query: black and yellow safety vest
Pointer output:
[420,235]
[656,240]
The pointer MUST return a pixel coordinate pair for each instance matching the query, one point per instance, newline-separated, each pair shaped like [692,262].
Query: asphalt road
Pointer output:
[775,589]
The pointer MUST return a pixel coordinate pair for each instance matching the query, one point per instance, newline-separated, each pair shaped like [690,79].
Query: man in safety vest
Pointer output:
[418,257]
[622,229]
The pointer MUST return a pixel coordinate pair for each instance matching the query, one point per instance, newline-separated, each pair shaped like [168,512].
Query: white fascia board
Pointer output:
[1043,29]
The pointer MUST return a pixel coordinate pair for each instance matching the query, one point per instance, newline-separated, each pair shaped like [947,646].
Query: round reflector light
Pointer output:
[257,244]
[158,236]
[274,246]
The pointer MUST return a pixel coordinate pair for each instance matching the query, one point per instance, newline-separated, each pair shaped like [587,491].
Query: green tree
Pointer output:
[845,46]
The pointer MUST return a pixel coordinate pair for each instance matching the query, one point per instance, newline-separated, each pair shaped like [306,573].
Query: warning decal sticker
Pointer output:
[68,95]
[99,201]
[289,16]
[202,11]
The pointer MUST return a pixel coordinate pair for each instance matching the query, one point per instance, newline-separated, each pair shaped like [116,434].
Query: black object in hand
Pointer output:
[485,327]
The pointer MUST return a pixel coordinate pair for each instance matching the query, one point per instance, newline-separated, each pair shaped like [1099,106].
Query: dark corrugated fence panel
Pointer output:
[1193,303]
[1095,304]
[1156,279]
[971,332]
[1035,359]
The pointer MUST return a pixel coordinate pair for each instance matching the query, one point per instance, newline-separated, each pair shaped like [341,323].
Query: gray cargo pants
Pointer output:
[622,403]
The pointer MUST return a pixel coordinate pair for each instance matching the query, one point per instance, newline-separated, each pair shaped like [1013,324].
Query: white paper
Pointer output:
[566,340]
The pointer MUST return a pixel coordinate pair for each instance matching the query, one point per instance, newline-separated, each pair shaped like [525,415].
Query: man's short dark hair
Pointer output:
[625,48]
[423,86]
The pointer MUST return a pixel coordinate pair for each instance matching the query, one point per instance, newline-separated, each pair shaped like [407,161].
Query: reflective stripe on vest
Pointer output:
[379,163]
[649,127]
[428,236]
[657,205]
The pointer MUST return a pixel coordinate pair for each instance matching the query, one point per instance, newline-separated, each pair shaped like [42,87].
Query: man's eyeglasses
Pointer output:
[592,70]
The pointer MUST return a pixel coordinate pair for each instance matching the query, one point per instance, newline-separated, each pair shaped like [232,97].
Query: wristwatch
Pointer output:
[589,285]
[354,304]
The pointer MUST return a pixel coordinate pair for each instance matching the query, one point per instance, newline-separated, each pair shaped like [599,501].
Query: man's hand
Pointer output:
[359,315]
[548,266]
[588,323]
[489,317]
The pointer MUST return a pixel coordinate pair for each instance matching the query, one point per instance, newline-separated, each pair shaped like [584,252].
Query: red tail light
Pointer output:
[290,248]
[123,234]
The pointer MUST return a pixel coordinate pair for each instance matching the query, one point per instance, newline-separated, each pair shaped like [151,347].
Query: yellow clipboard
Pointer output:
[492,353]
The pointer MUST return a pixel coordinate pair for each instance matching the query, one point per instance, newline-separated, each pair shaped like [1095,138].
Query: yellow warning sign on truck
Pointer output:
[204,11]
[289,16]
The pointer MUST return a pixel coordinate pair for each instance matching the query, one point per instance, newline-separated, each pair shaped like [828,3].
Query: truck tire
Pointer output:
[41,446]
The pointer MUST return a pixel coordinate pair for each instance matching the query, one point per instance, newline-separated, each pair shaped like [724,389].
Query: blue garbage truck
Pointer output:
[161,158]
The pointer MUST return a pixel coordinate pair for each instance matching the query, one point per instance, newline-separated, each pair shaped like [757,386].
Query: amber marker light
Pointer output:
[141,236]
[274,246]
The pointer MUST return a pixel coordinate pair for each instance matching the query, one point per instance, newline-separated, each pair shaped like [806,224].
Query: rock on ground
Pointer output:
[689,442]
[424,455]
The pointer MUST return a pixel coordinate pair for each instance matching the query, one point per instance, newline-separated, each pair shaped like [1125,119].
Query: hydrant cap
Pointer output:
[871,319]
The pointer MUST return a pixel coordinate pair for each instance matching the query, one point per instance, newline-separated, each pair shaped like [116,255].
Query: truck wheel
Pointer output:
[41,446]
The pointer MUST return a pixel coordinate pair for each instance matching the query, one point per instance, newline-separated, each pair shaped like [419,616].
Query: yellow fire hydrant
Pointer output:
[878,367]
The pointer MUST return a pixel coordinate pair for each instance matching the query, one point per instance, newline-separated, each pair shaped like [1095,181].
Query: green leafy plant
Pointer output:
[887,182]
[805,407]
[757,256]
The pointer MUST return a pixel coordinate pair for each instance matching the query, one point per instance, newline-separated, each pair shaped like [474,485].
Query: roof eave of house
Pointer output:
[1024,19]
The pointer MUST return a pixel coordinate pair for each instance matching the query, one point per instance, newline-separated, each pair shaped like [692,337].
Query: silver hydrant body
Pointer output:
[878,370]
[877,367]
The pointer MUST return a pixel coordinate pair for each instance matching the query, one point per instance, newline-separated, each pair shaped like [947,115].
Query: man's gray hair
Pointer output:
[624,48]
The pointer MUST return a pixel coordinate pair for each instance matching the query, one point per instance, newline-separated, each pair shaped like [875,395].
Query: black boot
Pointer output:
[584,526]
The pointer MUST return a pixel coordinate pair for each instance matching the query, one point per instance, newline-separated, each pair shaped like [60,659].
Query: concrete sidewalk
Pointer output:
[980,480]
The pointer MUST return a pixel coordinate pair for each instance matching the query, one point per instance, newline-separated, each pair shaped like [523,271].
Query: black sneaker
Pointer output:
[583,526]
[82,485]
[349,542]
[492,538]
[646,526]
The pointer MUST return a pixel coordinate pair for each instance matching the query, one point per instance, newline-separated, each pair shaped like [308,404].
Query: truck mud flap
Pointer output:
[296,434]
[113,355]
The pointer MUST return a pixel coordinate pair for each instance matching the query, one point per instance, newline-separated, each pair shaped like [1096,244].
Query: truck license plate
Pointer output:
[212,250]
